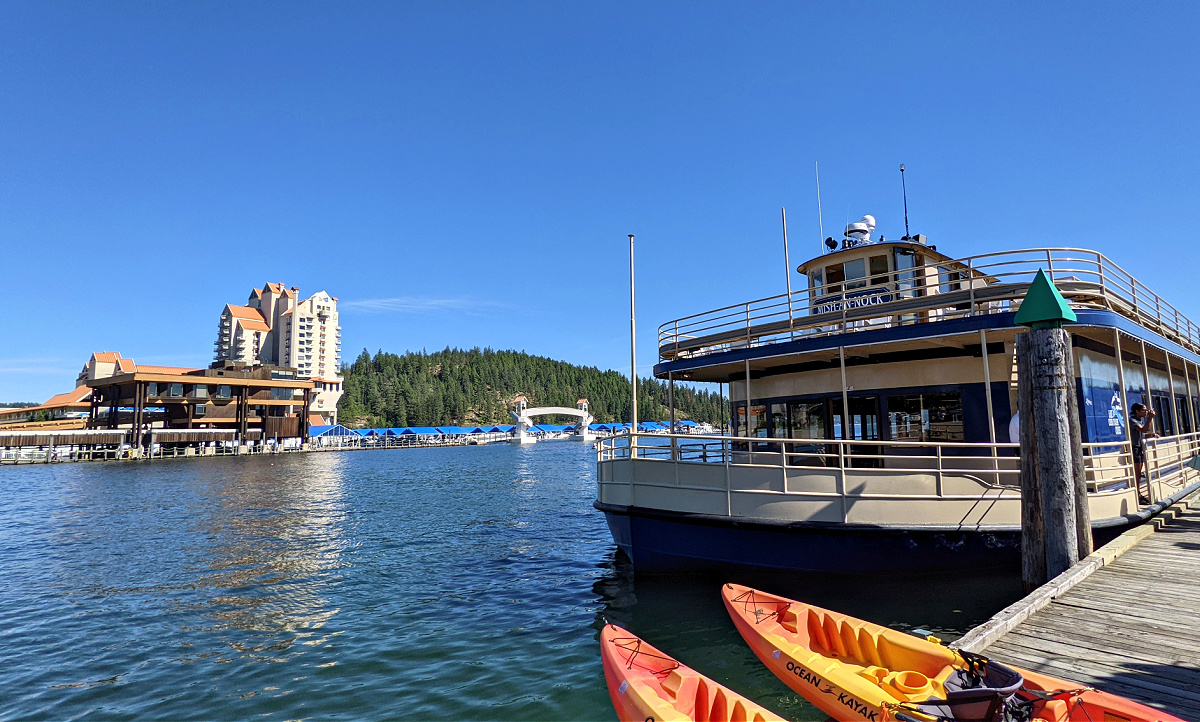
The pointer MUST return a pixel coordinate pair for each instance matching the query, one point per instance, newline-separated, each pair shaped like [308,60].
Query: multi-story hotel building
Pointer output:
[275,327]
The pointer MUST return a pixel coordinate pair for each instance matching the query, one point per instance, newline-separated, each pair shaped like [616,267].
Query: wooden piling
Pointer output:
[1053,481]
[1053,389]
[1033,543]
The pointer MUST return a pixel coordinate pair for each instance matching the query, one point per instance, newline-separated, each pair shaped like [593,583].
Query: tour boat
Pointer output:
[873,414]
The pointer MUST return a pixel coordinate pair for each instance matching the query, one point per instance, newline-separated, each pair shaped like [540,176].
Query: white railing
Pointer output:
[1108,466]
[974,285]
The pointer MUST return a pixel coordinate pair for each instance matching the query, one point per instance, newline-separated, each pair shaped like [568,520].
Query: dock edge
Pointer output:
[1008,618]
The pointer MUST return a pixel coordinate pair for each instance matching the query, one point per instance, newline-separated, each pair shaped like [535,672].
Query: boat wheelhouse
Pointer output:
[871,415]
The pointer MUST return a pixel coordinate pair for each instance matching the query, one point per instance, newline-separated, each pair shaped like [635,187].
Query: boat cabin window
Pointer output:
[856,273]
[834,275]
[908,281]
[807,420]
[758,421]
[879,269]
[1162,409]
[816,279]
[926,417]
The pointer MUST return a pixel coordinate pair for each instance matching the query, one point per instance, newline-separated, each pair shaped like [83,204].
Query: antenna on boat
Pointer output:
[904,189]
[820,218]
[787,264]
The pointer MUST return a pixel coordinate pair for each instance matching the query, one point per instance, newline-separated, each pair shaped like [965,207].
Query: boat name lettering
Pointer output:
[849,302]
[859,708]
[804,674]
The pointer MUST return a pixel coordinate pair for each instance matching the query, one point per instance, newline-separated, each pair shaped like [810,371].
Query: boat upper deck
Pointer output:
[915,293]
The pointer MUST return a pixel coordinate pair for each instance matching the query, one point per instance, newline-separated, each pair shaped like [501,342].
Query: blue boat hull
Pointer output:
[670,542]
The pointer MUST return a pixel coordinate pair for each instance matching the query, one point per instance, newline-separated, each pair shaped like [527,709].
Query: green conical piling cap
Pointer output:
[1043,306]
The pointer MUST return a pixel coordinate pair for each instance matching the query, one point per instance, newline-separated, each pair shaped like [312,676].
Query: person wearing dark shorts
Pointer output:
[1141,427]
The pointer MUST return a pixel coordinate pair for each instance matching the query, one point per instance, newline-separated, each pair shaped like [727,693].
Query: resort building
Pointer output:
[230,402]
[276,328]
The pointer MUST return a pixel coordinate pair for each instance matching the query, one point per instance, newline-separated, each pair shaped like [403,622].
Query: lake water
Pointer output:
[452,583]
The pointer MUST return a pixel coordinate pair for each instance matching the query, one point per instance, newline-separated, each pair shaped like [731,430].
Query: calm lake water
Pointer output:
[454,583]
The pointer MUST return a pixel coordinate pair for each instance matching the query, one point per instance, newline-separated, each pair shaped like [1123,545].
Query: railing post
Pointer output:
[971,283]
[727,448]
[1103,284]
[842,478]
[940,484]
[1050,265]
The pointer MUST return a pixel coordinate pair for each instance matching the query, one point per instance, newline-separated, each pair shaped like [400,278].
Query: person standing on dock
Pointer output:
[1141,427]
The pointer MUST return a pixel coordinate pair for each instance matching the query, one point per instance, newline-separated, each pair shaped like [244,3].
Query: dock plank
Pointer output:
[1131,628]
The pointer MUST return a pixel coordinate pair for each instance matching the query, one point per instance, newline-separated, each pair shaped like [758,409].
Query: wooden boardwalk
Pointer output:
[1131,628]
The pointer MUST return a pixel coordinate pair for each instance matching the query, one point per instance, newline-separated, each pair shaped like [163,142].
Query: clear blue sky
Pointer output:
[466,173]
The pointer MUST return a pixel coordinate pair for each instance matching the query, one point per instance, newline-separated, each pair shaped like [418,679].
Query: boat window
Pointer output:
[739,420]
[816,280]
[856,274]
[864,419]
[758,421]
[1162,408]
[779,428]
[908,281]
[807,420]
[950,280]
[879,270]
[834,275]
[926,417]
[1184,424]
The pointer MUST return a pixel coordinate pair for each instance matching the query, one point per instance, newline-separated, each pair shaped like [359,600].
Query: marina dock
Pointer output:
[1125,620]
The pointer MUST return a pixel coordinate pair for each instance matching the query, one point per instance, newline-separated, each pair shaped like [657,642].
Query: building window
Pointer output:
[223,392]
[174,390]
[152,389]
[200,391]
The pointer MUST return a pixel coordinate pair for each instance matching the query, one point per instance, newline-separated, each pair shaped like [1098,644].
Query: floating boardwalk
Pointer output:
[1126,620]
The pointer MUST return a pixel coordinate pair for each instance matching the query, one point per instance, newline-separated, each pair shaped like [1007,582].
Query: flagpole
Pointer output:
[633,413]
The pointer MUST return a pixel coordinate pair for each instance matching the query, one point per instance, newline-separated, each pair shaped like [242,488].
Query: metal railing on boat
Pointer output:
[912,470]
[983,284]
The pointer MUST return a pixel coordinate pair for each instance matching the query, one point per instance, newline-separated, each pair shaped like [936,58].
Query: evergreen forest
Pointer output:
[477,386]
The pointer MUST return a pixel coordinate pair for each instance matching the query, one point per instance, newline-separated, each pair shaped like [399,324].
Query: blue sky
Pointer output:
[465,174]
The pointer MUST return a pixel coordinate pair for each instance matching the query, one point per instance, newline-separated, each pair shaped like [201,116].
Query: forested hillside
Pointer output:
[470,387]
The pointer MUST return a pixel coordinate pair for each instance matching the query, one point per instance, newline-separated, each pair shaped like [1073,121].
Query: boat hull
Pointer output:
[663,542]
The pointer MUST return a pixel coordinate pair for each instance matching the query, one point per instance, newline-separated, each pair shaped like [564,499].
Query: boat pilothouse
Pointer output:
[871,414]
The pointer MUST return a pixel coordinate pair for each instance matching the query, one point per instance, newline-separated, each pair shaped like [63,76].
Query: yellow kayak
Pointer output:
[854,670]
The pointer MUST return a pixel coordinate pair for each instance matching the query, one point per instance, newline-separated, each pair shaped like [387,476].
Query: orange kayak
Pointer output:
[646,684]
[854,670]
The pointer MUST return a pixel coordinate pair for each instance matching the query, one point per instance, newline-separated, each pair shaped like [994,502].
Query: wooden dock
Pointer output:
[1126,620]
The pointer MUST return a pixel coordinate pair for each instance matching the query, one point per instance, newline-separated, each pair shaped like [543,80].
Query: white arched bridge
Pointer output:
[523,417]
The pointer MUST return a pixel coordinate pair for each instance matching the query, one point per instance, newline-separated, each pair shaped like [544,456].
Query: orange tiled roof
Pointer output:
[276,288]
[255,293]
[315,420]
[251,324]
[107,357]
[126,365]
[143,369]
[245,312]
[74,397]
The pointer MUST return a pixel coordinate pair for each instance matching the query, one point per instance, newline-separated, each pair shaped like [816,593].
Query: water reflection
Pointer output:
[270,548]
